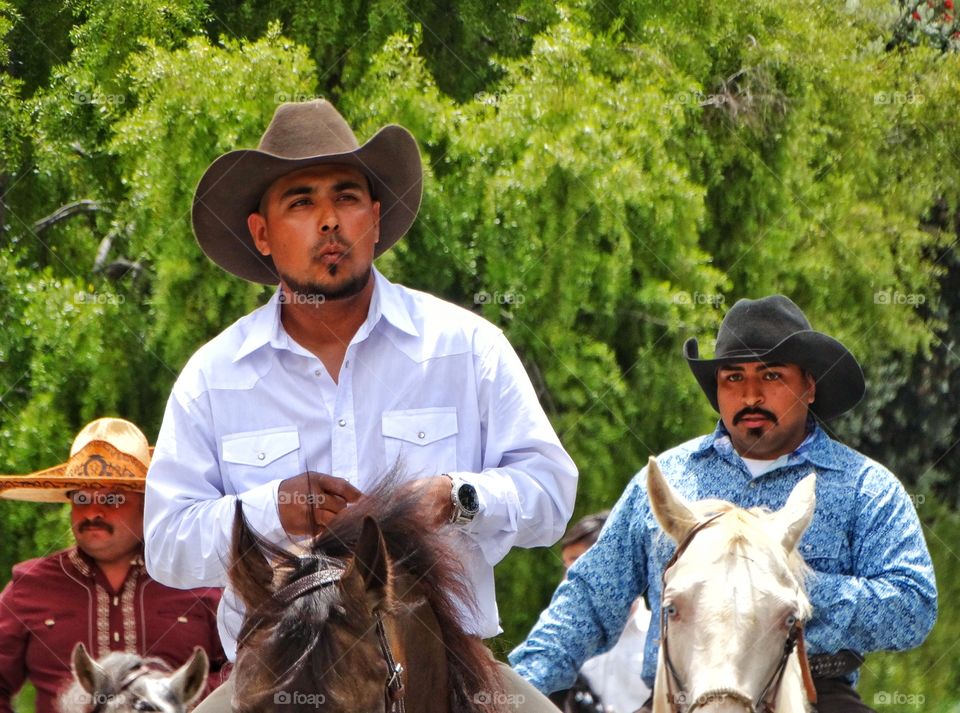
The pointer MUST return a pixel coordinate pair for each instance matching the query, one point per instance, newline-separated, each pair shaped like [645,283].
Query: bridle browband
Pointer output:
[394,691]
[763,704]
[101,699]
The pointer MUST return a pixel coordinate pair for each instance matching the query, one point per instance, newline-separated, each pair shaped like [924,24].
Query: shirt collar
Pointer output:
[86,565]
[387,302]
[816,448]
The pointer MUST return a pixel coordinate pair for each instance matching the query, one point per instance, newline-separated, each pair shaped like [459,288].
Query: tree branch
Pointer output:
[64,212]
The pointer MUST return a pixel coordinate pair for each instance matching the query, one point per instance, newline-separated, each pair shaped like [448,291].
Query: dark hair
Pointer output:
[586,530]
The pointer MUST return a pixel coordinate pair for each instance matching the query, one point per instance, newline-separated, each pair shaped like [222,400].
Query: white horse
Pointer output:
[733,604]
[127,683]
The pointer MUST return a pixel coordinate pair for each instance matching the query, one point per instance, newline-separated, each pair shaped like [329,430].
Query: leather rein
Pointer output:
[677,697]
[394,690]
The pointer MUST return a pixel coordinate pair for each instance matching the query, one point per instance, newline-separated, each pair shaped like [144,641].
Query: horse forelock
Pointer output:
[749,529]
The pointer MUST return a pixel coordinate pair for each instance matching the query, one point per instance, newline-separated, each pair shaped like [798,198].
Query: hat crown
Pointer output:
[117,432]
[757,326]
[307,129]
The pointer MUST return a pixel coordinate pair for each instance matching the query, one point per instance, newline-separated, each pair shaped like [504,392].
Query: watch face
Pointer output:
[467,495]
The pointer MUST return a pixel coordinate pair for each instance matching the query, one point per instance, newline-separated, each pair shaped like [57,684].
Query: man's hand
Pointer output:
[309,501]
[434,495]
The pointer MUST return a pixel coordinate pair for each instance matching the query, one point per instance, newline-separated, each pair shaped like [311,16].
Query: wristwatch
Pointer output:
[466,503]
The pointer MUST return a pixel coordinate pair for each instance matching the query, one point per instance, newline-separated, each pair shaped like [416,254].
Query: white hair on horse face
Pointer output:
[731,599]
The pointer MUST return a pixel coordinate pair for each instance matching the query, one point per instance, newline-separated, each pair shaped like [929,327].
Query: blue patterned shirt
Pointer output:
[872,585]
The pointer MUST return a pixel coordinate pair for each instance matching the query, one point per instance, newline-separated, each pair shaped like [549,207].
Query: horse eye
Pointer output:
[790,621]
[144,706]
[670,610]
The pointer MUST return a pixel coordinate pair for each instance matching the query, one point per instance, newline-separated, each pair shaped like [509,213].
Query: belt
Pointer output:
[842,663]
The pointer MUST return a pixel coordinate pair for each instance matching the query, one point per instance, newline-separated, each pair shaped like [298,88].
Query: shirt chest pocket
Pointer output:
[256,457]
[421,442]
[828,556]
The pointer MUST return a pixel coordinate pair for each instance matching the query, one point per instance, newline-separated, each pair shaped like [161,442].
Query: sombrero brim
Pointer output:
[839,378]
[232,186]
[52,484]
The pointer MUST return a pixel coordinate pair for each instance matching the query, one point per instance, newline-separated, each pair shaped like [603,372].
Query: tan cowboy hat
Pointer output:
[300,135]
[107,453]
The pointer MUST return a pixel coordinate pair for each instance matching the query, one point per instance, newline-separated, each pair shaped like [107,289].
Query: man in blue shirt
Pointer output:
[772,380]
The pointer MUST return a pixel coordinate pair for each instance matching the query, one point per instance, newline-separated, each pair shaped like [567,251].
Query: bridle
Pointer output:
[102,699]
[677,697]
[394,690]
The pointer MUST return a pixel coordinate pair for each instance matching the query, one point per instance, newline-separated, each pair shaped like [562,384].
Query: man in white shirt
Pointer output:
[342,375]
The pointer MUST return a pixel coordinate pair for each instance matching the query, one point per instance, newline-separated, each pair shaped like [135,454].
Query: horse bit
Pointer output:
[678,700]
[393,687]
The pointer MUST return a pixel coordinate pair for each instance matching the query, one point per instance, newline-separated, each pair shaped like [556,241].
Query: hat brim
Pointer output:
[231,188]
[51,485]
[839,378]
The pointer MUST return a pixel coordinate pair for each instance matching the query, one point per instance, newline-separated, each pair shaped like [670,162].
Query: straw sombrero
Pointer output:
[107,453]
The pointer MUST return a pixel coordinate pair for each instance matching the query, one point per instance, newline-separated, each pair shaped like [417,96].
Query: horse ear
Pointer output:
[371,563]
[794,517]
[89,674]
[250,572]
[671,510]
[188,681]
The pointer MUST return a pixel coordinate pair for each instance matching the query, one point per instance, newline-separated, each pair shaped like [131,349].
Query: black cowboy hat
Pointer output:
[774,329]
[300,135]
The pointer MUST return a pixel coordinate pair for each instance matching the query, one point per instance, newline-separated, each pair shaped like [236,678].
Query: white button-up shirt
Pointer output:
[423,383]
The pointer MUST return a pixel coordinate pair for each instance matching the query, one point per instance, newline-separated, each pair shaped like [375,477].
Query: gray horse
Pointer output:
[122,682]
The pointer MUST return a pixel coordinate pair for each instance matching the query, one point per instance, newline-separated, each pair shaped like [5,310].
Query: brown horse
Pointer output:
[366,620]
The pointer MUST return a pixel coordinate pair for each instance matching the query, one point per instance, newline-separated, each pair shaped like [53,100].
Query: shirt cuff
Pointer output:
[494,529]
[262,512]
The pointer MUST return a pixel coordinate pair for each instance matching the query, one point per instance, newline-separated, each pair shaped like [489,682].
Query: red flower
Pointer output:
[916,16]
[948,4]
[948,17]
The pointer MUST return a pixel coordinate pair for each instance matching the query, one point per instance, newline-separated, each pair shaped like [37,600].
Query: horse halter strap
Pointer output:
[393,688]
[394,691]
[794,640]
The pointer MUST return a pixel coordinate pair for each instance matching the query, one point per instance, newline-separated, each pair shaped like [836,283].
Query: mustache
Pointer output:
[753,411]
[95,522]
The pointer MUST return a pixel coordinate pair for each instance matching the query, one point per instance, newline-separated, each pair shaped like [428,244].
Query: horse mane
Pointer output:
[416,548]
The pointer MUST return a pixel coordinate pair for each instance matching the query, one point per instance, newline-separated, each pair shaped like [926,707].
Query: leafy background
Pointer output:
[604,179]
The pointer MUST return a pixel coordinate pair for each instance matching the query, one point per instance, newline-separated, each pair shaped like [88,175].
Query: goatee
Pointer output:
[307,292]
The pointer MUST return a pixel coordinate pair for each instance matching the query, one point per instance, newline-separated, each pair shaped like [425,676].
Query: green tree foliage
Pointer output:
[603,181]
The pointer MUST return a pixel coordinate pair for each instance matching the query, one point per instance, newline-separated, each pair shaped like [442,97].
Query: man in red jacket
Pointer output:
[97,592]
